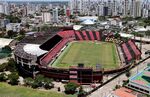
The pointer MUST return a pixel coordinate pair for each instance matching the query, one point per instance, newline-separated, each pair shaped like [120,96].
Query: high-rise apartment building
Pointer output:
[138,8]
[46,17]
[55,15]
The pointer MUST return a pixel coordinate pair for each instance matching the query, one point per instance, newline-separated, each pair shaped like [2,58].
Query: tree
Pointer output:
[45,28]
[7,48]
[70,88]
[117,35]
[117,87]
[10,33]
[3,77]
[127,18]
[102,18]
[13,19]
[125,82]
[72,16]
[35,85]
[61,12]
[28,81]
[20,37]
[3,67]
[81,92]
[128,74]
[12,65]
[38,81]
[22,32]
[48,83]
[13,78]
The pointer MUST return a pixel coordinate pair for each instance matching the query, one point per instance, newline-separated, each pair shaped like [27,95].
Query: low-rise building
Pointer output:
[124,92]
[13,26]
[141,81]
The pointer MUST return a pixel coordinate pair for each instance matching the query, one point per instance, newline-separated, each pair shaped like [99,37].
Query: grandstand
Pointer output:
[131,51]
[56,44]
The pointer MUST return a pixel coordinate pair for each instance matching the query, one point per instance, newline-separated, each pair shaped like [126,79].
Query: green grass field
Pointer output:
[7,90]
[89,53]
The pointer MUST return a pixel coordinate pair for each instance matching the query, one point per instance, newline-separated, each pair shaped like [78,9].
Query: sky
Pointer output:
[45,0]
[34,0]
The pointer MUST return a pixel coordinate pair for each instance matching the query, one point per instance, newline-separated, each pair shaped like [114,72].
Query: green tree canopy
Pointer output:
[13,19]
[13,78]
[70,88]
[28,81]
[3,77]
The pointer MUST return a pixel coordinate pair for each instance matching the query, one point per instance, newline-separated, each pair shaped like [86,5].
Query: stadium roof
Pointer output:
[33,49]
[126,35]
[4,42]
[92,18]
[88,22]
[77,27]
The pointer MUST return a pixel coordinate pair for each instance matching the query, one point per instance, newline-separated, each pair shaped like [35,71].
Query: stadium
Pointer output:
[78,56]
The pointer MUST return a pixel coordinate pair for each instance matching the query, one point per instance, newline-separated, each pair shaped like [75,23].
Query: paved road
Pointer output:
[108,88]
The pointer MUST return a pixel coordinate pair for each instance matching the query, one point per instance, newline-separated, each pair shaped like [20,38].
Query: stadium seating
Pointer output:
[57,42]
[126,52]
[85,35]
[91,35]
[134,48]
[98,36]
[66,34]
[78,35]
[94,35]
[53,52]
[130,51]
[88,35]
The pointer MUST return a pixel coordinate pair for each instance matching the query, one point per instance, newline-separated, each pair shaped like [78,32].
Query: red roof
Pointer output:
[127,53]
[135,49]
[124,92]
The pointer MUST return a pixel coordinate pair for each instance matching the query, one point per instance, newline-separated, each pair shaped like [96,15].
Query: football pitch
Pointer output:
[89,53]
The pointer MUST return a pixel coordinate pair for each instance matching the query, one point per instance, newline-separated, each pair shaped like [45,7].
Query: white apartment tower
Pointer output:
[101,9]
[125,8]
[55,15]
[109,7]
[46,17]
[114,9]
[138,8]
[4,8]
[132,8]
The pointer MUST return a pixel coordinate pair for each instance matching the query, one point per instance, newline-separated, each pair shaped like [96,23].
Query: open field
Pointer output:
[90,53]
[18,91]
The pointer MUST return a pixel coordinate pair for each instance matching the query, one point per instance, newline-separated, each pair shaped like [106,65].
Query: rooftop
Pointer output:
[4,42]
[142,78]
[33,49]
[124,92]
